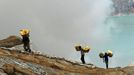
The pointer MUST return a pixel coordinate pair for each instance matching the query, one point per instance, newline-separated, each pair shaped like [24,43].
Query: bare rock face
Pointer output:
[2,72]
[12,69]
[10,41]
[14,62]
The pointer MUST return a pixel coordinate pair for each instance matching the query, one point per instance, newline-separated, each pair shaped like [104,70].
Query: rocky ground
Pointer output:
[14,61]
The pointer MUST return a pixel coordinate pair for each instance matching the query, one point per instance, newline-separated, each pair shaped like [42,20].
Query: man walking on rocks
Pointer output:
[25,39]
[83,50]
[105,59]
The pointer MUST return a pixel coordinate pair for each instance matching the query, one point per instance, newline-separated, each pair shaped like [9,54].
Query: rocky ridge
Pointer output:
[16,62]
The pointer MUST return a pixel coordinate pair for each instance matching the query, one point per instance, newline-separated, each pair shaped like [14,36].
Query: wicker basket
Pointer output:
[110,53]
[86,49]
[101,55]
[78,48]
[24,32]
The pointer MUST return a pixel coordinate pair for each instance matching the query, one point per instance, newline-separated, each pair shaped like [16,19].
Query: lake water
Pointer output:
[122,40]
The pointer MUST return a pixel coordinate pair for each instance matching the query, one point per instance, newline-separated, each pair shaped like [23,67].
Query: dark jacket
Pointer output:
[106,57]
[25,39]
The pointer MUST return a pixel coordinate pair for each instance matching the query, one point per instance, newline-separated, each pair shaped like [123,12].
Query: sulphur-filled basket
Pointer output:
[110,53]
[78,48]
[24,32]
[86,49]
[101,55]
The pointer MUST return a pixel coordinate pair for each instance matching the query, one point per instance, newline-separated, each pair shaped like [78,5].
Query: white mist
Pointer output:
[58,25]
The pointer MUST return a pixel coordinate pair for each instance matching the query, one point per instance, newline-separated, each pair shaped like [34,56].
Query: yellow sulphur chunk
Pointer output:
[24,32]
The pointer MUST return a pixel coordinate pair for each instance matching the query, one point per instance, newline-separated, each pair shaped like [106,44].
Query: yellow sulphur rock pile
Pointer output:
[85,49]
[24,32]
[109,52]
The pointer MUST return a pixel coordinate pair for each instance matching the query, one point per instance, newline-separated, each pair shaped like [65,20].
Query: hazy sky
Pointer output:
[58,25]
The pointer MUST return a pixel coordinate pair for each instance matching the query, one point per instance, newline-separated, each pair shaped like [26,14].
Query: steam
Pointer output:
[64,24]
[58,25]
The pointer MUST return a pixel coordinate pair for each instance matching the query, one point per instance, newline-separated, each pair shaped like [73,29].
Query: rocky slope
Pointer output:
[17,62]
